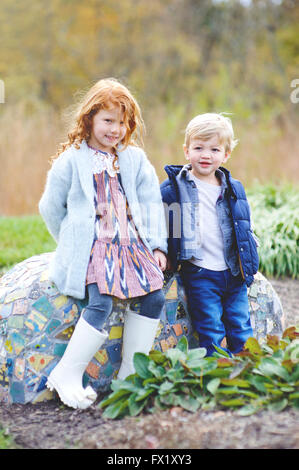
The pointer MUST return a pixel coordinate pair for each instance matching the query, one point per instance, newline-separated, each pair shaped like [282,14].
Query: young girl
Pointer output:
[102,204]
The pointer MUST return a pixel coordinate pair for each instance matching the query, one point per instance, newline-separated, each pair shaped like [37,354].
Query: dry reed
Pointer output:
[28,140]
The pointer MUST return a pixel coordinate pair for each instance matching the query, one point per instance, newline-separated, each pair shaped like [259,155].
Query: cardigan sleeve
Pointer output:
[53,203]
[150,200]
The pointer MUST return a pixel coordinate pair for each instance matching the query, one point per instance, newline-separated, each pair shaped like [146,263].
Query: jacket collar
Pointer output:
[226,180]
[84,160]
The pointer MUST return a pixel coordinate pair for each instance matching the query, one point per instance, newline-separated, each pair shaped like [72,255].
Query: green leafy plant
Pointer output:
[276,223]
[262,376]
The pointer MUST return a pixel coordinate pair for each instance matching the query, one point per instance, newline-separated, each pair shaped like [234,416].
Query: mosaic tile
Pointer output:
[41,344]
[171,311]
[52,326]
[101,356]
[65,334]
[116,332]
[60,301]
[172,341]
[160,328]
[254,305]
[42,384]
[93,370]
[108,371]
[5,310]
[114,352]
[177,329]
[164,345]
[43,306]
[3,327]
[44,276]
[4,395]
[70,313]
[17,392]
[19,369]
[4,380]
[38,361]
[8,346]
[9,365]
[59,349]
[15,295]
[20,307]
[34,292]
[172,292]
[43,396]
[36,323]
[181,311]
[16,322]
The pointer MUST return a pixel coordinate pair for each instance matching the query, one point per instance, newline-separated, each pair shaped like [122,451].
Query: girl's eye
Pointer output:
[215,150]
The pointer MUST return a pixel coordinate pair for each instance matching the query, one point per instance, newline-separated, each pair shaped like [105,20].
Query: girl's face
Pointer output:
[108,129]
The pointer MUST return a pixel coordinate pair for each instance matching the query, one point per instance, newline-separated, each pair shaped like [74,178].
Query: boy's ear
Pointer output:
[186,151]
[227,155]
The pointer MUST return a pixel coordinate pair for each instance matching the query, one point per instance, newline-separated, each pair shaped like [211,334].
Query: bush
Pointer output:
[261,376]
[276,223]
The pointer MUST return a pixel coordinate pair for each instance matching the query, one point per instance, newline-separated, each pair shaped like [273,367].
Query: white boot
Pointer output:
[66,377]
[138,336]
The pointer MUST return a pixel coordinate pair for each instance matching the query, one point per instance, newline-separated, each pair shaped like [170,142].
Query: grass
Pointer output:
[21,238]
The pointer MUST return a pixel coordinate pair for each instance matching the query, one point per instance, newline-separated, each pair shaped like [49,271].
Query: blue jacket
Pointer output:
[241,251]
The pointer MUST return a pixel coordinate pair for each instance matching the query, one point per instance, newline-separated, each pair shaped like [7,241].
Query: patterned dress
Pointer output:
[120,263]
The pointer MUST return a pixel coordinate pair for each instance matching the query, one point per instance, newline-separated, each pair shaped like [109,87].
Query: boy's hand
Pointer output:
[161,259]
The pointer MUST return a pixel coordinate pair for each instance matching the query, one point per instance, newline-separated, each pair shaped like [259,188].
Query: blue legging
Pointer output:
[100,306]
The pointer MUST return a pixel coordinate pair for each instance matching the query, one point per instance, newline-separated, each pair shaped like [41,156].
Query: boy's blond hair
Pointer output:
[205,126]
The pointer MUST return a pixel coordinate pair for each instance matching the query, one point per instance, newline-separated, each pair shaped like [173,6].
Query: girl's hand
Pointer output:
[161,259]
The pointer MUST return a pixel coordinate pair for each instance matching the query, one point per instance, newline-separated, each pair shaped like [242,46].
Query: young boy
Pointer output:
[210,234]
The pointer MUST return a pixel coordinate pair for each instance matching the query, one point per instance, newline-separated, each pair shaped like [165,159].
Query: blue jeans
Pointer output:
[100,306]
[218,305]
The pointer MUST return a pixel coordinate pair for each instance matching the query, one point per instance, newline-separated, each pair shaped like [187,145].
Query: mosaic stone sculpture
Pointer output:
[36,322]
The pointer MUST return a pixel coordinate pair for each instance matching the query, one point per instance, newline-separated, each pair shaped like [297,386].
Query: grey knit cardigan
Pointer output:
[68,209]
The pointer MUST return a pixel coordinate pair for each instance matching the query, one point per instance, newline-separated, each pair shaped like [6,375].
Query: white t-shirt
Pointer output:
[211,235]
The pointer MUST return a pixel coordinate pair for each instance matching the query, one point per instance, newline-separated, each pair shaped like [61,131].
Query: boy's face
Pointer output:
[206,156]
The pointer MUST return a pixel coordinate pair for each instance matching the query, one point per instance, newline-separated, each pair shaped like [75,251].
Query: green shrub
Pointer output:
[276,222]
[261,376]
